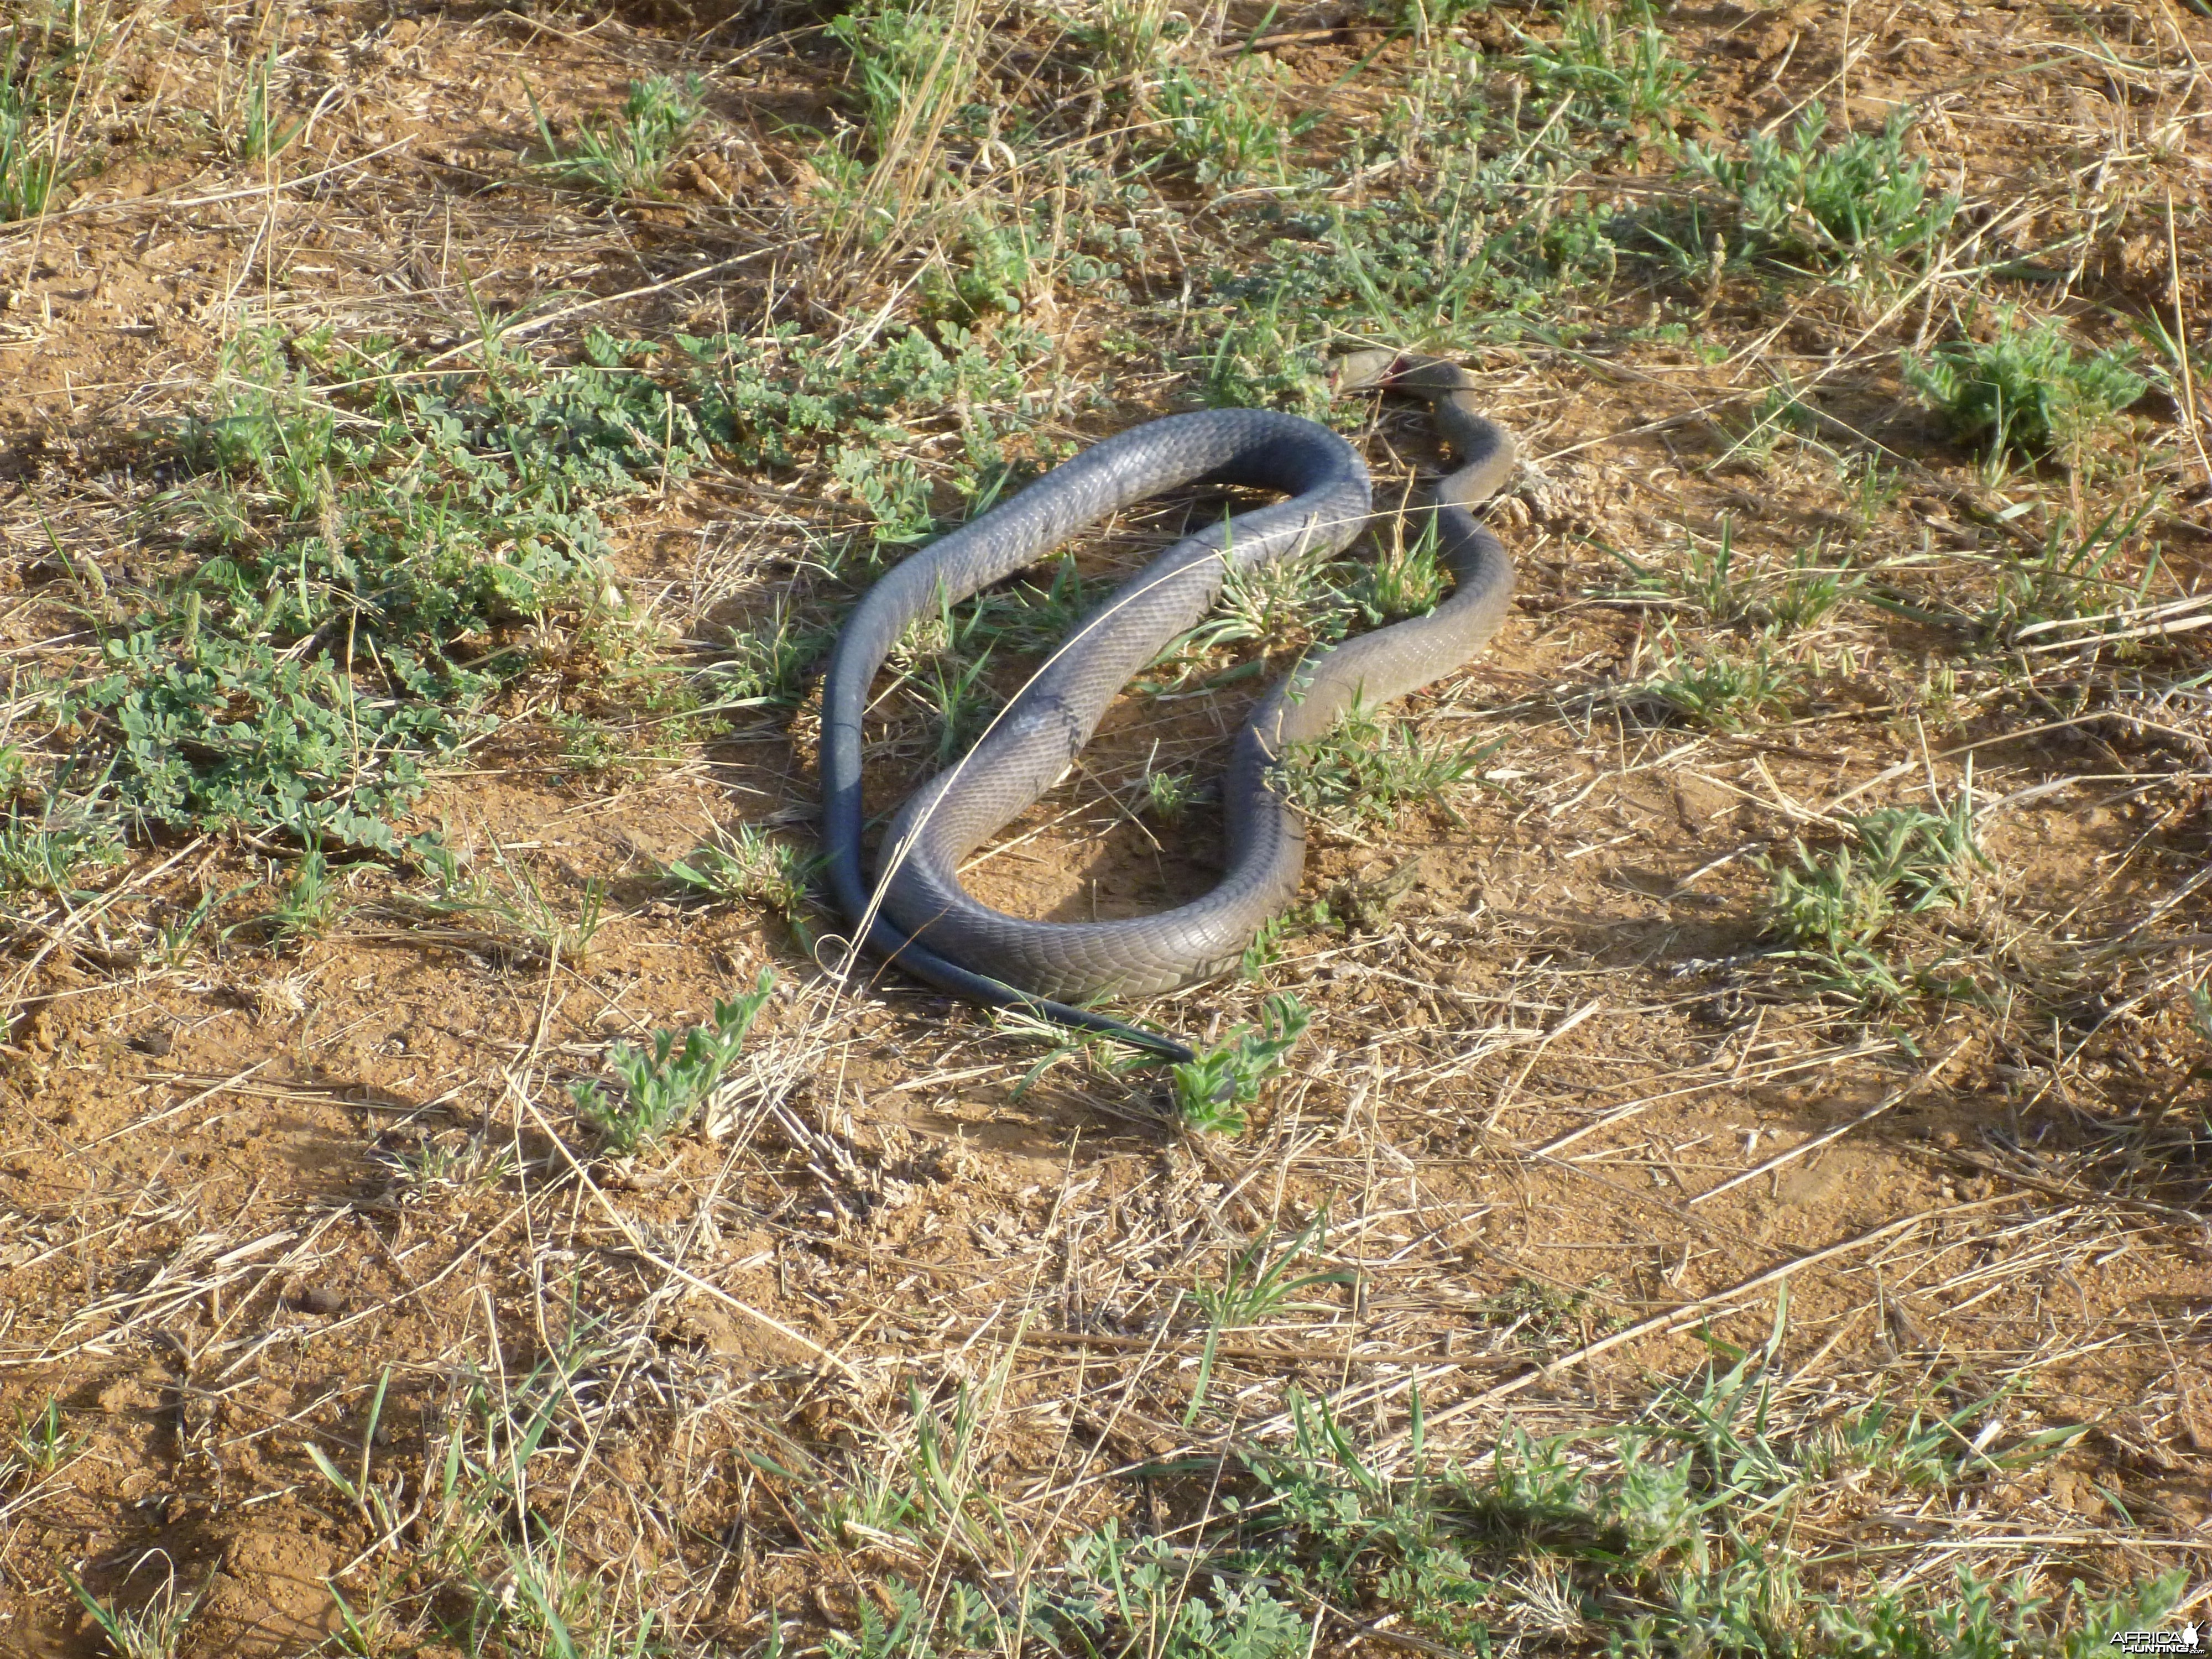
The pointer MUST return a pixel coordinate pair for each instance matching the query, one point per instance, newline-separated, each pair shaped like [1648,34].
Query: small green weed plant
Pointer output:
[990,270]
[890,183]
[50,852]
[1262,361]
[1863,194]
[2072,579]
[1029,616]
[307,902]
[356,1487]
[961,700]
[1406,578]
[795,401]
[914,70]
[626,155]
[1212,1091]
[755,867]
[767,661]
[1832,908]
[156,1629]
[1168,796]
[2059,595]
[1708,580]
[501,1592]
[442,1168]
[1668,1537]
[326,644]
[1615,63]
[1369,767]
[1228,125]
[2025,392]
[43,1440]
[1725,689]
[944,661]
[1257,1285]
[34,161]
[1487,251]
[264,136]
[927,1487]
[663,1085]
[1726,592]
[177,927]
[508,901]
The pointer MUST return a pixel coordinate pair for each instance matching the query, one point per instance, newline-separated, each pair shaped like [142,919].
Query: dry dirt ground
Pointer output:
[326,1325]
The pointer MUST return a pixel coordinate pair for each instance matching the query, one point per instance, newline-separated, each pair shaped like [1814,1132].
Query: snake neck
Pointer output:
[1485,449]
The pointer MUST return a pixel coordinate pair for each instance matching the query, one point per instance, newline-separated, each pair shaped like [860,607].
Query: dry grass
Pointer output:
[1680,1229]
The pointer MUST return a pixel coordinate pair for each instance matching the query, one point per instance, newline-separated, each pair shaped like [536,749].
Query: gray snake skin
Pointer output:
[917,914]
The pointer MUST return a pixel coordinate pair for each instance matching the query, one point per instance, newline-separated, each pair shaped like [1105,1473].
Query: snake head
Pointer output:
[1363,371]
[1410,372]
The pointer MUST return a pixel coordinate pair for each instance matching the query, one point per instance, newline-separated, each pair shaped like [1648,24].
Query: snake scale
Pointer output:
[915,912]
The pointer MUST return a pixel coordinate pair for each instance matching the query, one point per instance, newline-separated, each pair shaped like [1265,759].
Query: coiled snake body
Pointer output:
[917,914]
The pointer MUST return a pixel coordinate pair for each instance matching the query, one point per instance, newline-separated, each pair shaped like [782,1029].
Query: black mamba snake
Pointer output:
[916,913]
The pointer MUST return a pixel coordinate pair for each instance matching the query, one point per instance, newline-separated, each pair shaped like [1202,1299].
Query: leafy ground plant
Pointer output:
[1369,768]
[1212,1091]
[1617,61]
[663,1085]
[323,652]
[1228,126]
[1862,193]
[307,901]
[2025,391]
[320,650]
[1724,687]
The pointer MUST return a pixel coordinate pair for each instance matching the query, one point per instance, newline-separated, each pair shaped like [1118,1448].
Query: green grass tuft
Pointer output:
[626,155]
[1616,64]
[34,162]
[1722,687]
[1831,908]
[751,865]
[1368,769]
